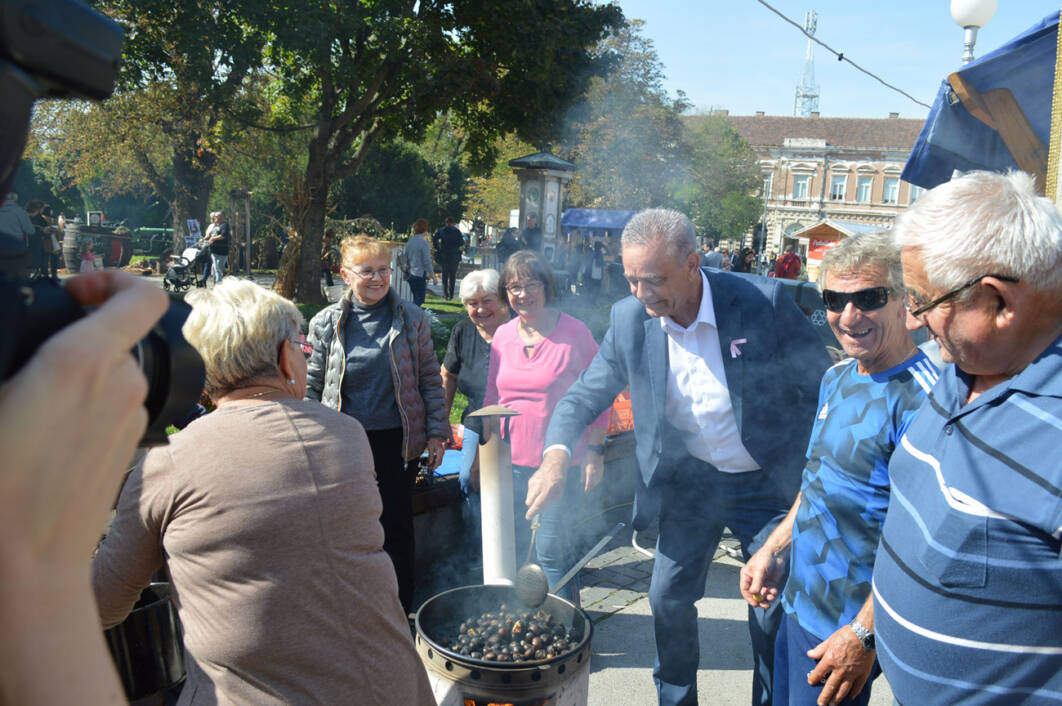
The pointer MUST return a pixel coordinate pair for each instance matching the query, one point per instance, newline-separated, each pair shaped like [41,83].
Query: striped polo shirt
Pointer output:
[845,488]
[968,578]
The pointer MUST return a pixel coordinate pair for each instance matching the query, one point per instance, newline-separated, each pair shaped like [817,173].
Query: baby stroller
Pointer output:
[180,273]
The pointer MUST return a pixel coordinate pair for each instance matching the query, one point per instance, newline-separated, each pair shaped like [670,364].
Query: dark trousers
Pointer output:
[418,288]
[395,479]
[792,666]
[327,272]
[696,505]
[449,278]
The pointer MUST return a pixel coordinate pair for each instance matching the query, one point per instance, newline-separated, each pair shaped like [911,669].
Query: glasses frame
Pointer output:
[368,276]
[851,297]
[919,311]
[516,290]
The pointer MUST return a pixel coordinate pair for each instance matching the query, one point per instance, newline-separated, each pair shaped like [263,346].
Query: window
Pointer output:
[892,191]
[801,186]
[916,191]
[768,185]
[838,185]
[863,189]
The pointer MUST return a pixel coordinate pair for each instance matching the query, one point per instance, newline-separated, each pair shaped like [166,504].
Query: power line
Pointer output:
[841,57]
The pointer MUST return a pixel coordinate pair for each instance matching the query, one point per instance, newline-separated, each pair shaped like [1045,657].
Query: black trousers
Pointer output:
[449,278]
[395,479]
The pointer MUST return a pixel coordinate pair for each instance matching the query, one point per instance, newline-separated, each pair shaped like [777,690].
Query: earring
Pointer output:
[291,381]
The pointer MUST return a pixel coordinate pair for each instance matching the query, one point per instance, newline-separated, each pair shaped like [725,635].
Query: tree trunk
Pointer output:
[308,216]
[193,182]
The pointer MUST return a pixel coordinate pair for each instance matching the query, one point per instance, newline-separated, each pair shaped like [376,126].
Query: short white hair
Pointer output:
[985,223]
[862,252]
[485,281]
[656,226]
[237,328]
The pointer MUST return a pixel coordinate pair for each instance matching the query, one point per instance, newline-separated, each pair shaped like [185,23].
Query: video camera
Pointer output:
[63,48]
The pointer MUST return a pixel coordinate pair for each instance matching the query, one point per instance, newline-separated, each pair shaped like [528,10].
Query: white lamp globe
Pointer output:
[972,13]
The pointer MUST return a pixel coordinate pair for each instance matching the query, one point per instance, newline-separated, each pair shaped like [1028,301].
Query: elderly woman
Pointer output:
[373,359]
[534,359]
[265,512]
[467,358]
[825,648]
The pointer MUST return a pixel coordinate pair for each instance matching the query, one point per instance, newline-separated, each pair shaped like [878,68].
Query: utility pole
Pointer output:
[807,93]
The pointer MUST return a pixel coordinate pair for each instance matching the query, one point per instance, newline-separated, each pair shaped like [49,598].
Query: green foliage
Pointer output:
[724,178]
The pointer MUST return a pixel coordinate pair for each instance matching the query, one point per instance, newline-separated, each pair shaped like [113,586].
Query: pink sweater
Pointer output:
[534,385]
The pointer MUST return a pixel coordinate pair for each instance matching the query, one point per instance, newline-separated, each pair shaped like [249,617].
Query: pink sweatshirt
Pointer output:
[534,385]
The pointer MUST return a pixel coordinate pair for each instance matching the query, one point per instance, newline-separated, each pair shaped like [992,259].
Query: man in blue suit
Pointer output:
[723,372]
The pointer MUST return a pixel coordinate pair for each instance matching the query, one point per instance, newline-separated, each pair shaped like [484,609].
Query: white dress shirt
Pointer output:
[698,400]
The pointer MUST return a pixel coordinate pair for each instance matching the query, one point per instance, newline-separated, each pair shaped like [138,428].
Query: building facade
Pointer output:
[838,169]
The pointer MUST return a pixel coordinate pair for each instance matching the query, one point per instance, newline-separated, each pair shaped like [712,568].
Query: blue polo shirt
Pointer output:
[845,488]
[968,578]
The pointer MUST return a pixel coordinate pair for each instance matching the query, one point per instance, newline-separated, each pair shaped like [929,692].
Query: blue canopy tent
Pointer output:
[992,114]
[595,219]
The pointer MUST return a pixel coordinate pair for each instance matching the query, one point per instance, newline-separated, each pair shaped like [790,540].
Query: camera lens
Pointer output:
[174,372]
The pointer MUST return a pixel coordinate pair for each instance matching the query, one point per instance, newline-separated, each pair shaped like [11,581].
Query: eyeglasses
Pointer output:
[516,290]
[917,305]
[382,273]
[869,299]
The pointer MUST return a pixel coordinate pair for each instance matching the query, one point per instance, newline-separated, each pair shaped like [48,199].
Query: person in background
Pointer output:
[57,490]
[219,246]
[825,652]
[39,251]
[534,359]
[14,222]
[711,257]
[465,367]
[788,266]
[531,236]
[418,258]
[507,246]
[968,579]
[265,512]
[202,260]
[723,386]
[373,359]
[449,243]
[745,261]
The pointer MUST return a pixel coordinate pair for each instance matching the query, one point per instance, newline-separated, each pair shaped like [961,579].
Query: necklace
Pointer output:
[259,394]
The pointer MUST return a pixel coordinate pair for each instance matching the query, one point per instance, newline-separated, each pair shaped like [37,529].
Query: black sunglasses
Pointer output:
[864,299]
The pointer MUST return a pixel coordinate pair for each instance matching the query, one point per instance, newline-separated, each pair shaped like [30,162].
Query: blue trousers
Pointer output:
[792,665]
[418,288]
[553,545]
[696,504]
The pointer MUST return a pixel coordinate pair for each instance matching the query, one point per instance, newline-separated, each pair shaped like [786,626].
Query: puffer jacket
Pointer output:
[414,369]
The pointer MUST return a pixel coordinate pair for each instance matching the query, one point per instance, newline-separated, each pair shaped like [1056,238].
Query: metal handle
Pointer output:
[589,555]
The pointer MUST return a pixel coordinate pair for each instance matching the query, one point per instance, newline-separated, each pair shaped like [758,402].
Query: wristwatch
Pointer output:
[866,637]
[599,449]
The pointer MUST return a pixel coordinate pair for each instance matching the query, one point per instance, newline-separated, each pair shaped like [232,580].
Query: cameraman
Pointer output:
[69,423]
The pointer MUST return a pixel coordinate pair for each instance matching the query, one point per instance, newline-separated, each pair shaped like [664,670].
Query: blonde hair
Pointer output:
[237,327]
[360,248]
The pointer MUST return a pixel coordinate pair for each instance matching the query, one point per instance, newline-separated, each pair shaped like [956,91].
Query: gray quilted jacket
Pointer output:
[414,369]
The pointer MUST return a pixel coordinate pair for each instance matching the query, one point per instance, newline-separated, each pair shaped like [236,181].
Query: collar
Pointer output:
[705,314]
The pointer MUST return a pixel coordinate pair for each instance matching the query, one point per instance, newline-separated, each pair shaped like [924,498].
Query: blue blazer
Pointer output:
[773,383]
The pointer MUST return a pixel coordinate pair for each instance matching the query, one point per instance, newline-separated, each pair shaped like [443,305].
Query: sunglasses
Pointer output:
[864,299]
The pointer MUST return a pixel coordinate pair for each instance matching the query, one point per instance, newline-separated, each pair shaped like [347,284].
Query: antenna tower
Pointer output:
[807,93]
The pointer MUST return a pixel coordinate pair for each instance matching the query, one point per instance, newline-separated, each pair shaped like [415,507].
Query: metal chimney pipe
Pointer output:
[496,497]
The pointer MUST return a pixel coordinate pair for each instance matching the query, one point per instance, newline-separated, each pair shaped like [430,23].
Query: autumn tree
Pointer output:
[367,72]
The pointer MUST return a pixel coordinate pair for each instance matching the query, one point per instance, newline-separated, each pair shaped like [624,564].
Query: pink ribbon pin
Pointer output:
[734,343]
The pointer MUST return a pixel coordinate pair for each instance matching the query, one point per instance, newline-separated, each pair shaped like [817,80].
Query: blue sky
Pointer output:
[738,55]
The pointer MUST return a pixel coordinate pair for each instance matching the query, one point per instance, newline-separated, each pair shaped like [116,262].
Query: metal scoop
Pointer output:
[532,591]
[531,584]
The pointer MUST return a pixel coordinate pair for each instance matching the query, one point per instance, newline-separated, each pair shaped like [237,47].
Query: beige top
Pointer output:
[267,514]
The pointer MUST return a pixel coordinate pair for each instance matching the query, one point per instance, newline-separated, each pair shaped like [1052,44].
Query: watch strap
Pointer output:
[865,636]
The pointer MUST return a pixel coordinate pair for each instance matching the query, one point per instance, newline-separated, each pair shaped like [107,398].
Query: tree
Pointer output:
[491,196]
[626,134]
[183,67]
[724,179]
[370,71]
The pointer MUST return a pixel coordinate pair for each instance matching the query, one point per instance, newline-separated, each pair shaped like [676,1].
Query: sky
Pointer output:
[739,56]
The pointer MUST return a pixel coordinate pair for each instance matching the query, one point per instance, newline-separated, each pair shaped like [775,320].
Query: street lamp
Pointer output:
[971,15]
